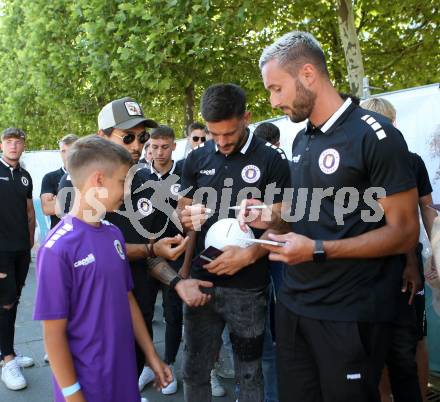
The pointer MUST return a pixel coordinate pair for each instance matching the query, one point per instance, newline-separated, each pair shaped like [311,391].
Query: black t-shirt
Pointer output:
[15,190]
[424,188]
[256,165]
[49,185]
[354,151]
[421,174]
[162,206]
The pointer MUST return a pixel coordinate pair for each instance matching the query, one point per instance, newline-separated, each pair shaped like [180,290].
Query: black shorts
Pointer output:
[15,265]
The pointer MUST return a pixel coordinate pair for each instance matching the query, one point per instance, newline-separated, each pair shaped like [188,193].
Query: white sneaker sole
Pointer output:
[171,391]
[14,387]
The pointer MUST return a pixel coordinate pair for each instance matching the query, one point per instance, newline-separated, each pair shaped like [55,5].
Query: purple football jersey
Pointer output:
[83,276]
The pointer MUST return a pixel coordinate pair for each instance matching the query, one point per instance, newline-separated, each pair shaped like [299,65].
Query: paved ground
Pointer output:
[29,341]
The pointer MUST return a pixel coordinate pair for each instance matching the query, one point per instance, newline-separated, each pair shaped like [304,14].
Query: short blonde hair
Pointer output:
[381,106]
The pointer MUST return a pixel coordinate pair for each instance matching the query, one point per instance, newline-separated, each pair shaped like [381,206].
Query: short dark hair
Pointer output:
[268,132]
[162,132]
[223,102]
[94,150]
[195,126]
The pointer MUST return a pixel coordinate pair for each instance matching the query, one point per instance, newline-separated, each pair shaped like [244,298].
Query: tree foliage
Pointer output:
[61,61]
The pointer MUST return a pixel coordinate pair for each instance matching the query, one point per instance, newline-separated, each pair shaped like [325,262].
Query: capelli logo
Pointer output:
[209,172]
[85,261]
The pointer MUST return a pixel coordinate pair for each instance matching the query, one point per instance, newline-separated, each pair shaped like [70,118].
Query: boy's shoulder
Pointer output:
[111,228]
[63,232]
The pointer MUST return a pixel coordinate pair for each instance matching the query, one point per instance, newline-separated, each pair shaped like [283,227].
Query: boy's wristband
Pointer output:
[68,391]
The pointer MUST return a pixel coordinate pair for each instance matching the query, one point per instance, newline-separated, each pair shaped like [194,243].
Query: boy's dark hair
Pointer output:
[162,132]
[268,132]
[223,102]
[94,150]
[195,126]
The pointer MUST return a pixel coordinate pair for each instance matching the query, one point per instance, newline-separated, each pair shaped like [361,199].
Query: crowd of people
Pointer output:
[326,305]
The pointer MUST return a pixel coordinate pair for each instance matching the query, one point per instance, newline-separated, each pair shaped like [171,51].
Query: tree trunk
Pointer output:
[352,50]
[189,106]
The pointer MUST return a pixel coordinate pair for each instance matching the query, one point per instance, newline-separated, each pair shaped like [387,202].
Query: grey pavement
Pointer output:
[29,341]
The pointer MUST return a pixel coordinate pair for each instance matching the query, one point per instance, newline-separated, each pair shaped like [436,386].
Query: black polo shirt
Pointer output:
[257,164]
[355,149]
[162,224]
[49,185]
[15,190]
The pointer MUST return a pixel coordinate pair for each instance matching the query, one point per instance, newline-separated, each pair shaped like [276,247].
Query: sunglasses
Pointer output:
[129,137]
[197,139]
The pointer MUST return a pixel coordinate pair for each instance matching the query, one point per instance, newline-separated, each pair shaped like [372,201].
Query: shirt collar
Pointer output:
[325,128]
[8,165]
[154,171]
[247,144]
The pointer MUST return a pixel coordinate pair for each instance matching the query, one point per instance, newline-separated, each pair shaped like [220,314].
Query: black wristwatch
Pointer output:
[175,281]
[319,253]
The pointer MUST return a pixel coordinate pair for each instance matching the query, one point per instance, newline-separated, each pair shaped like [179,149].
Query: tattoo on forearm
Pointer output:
[160,270]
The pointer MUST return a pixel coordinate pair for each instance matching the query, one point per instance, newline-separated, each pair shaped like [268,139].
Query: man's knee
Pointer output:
[247,349]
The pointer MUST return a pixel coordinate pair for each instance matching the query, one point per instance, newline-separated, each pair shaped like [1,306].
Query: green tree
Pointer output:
[61,61]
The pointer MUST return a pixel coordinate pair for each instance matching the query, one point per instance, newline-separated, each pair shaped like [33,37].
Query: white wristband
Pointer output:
[68,391]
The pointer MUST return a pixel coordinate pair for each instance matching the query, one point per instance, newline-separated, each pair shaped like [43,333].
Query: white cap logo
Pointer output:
[133,109]
[144,206]
[25,181]
[119,249]
[250,173]
[329,161]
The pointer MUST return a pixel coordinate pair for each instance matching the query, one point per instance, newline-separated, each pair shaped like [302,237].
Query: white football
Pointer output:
[227,232]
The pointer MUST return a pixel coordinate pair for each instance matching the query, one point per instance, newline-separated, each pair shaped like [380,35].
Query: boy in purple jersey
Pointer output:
[84,297]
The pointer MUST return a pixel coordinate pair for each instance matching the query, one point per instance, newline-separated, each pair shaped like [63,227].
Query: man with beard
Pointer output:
[339,290]
[235,164]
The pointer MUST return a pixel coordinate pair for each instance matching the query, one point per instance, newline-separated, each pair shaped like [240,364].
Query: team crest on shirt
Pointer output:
[119,249]
[25,181]
[175,188]
[144,206]
[133,109]
[250,173]
[329,161]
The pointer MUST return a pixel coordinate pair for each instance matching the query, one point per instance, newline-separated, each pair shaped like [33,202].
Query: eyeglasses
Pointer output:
[197,138]
[129,137]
